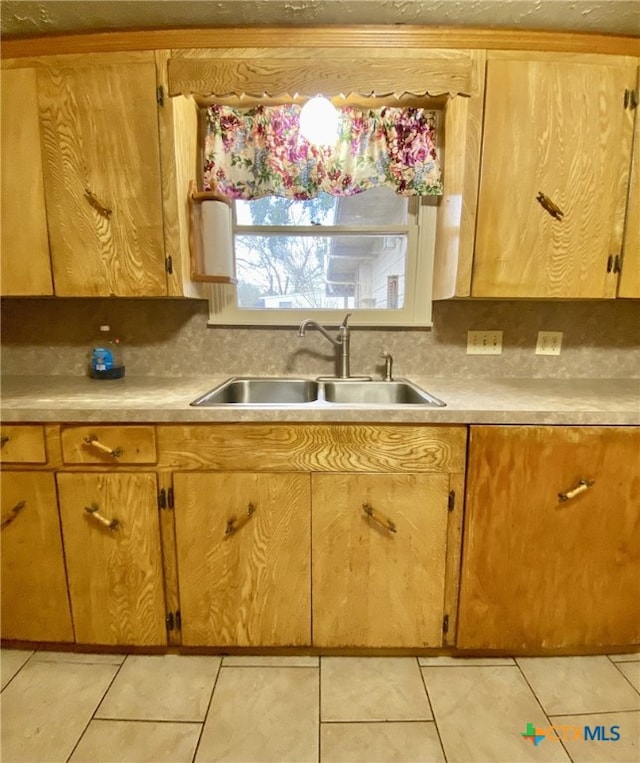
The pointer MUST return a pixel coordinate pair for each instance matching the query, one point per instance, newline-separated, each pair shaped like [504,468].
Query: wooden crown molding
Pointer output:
[338,36]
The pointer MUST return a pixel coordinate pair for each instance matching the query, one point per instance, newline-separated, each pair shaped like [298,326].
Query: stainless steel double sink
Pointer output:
[264,391]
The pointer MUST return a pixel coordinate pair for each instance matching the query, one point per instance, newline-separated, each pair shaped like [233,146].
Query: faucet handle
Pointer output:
[344,322]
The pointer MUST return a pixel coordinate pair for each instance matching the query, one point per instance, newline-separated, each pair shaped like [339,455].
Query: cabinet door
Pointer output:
[559,129]
[35,605]
[373,587]
[243,545]
[539,571]
[115,575]
[102,180]
[26,268]
[630,275]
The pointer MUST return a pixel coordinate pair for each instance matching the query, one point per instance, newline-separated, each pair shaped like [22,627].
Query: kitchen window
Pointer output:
[316,235]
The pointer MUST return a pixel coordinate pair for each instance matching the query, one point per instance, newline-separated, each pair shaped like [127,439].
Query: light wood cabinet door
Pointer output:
[115,575]
[243,547]
[630,276]
[102,180]
[539,571]
[24,242]
[559,129]
[35,605]
[373,587]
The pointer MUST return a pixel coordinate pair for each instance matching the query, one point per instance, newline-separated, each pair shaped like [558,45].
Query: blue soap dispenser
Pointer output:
[106,357]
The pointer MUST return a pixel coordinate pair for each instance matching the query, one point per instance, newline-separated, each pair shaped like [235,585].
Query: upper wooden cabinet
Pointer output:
[556,154]
[630,276]
[24,221]
[102,179]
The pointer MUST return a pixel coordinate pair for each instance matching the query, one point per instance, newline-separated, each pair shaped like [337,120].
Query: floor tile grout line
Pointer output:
[544,712]
[473,665]
[95,710]
[616,662]
[19,670]
[433,714]
[382,722]
[598,712]
[145,720]
[269,667]
[206,714]
[625,676]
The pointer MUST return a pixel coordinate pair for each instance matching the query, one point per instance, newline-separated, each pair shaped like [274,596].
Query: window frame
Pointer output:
[417,309]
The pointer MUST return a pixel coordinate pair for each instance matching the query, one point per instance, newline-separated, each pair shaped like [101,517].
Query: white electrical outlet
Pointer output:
[549,343]
[484,342]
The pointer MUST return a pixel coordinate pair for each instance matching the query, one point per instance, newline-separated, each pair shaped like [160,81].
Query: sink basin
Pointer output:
[261,391]
[400,392]
[320,393]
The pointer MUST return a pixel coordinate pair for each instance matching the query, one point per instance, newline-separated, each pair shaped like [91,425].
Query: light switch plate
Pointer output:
[549,343]
[484,342]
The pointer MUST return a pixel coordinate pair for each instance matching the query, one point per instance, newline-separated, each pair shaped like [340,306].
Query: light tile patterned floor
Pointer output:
[181,709]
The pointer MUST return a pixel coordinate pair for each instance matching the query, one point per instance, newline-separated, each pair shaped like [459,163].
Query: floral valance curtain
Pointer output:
[250,153]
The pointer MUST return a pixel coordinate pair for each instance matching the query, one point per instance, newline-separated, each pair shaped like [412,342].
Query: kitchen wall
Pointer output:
[171,338]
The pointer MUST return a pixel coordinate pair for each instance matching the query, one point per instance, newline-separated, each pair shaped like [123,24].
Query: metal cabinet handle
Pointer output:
[549,206]
[94,512]
[4,440]
[379,518]
[581,487]
[13,514]
[233,524]
[100,208]
[93,441]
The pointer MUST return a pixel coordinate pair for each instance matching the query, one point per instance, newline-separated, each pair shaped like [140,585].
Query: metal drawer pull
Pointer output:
[549,206]
[3,440]
[581,487]
[100,208]
[383,521]
[13,514]
[95,443]
[233,524]
[94,511]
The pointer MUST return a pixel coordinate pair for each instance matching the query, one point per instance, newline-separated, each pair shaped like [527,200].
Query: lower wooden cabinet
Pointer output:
[379,551]
[114,572]
[551,553]
[281,538]
[243,547]
[35,605]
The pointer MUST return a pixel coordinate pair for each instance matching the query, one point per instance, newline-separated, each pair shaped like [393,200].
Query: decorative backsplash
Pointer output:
[164,337]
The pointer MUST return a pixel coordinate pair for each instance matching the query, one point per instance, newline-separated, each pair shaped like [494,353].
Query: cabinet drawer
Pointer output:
[313,447]
[108,445]
[22,444]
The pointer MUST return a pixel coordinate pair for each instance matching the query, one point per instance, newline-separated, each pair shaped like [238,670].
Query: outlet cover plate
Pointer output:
[484,342]
[549,343]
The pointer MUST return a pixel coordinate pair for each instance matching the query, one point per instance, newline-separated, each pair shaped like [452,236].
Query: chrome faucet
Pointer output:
[341,343]
[388,365]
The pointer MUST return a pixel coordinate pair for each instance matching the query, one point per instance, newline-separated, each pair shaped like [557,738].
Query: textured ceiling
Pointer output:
[22,18]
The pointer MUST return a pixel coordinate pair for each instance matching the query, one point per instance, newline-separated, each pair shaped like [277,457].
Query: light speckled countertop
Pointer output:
[469,401]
